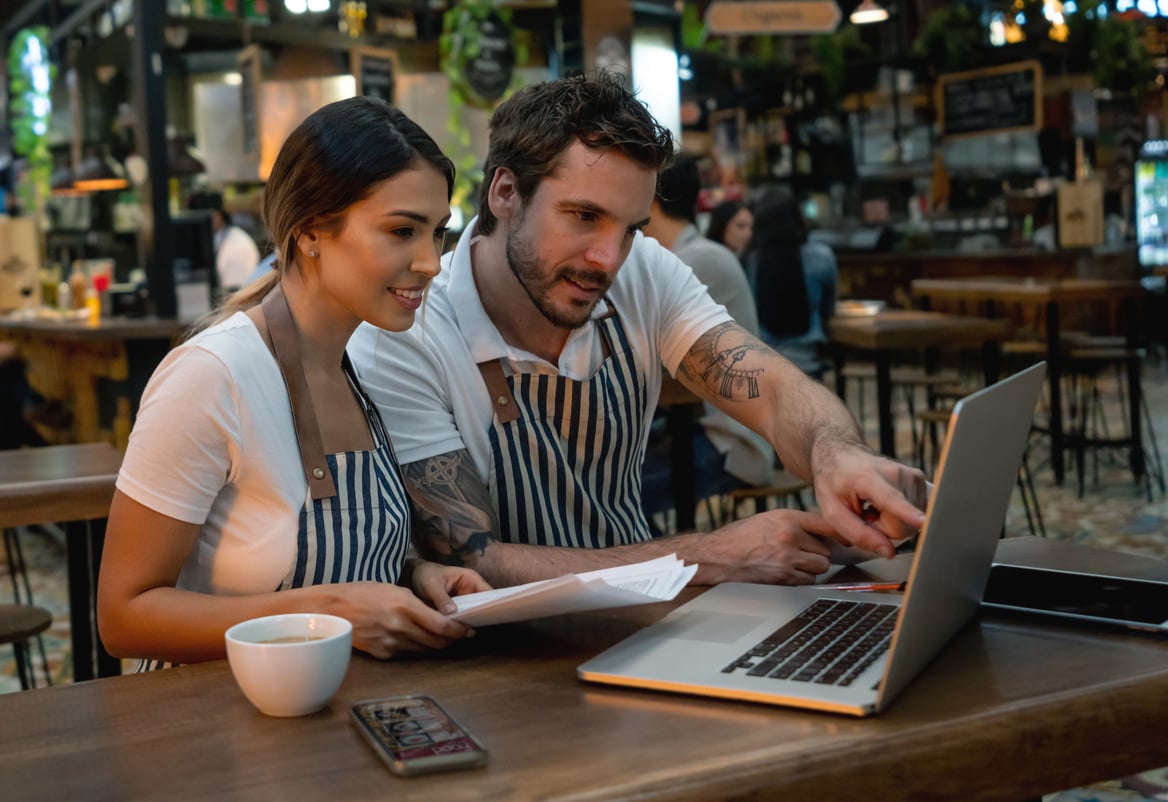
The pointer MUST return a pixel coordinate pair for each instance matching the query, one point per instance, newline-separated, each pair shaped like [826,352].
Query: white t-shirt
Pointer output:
[431,394]
[236,257]
[214,444]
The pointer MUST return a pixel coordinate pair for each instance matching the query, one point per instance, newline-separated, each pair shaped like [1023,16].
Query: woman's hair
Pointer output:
[720,217]
[531,131]
[775,249]
[334,159]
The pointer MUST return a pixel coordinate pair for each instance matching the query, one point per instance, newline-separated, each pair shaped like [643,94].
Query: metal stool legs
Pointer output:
[22,596]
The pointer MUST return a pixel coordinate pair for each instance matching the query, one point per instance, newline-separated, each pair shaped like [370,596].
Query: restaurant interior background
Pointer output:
[937,140]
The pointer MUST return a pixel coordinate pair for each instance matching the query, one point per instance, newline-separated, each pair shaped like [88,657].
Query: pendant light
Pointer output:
[869,11]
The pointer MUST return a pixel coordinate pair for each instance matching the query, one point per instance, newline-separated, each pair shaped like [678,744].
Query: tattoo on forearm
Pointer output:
[713,362]
[453,512]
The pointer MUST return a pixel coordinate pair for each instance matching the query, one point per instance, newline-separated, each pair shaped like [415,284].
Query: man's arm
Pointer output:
[813,433]
[454,525]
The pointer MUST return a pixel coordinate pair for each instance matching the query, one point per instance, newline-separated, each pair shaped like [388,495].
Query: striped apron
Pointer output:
[355,528]
[566,454]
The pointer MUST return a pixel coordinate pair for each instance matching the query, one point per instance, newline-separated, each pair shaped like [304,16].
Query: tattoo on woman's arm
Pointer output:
[453,512]
[715,361]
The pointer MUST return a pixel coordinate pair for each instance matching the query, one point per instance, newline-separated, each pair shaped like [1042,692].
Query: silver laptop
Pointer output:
[847,651]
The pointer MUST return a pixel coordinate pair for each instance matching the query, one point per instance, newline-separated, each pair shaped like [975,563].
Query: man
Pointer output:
[519,405]
[727,455]
[236,254]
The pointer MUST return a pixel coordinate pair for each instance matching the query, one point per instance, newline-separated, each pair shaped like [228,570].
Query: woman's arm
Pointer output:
[141,612]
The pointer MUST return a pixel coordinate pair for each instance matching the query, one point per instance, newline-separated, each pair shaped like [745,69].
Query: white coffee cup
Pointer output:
[290,664]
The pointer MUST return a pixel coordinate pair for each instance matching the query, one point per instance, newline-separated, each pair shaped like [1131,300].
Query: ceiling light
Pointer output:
[869,11]
[316,6]
[296,6]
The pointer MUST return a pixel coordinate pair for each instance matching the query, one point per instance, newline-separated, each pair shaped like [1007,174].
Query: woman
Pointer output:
[731,223]
[227,506]
[794,282]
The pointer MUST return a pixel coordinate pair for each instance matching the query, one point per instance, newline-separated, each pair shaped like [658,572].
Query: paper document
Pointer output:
[641,583]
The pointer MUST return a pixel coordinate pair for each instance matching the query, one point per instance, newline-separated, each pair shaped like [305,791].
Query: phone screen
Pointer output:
[414,735]
[1114,599]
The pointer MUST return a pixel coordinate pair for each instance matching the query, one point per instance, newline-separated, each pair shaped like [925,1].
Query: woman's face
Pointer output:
[376,267]
[738,230]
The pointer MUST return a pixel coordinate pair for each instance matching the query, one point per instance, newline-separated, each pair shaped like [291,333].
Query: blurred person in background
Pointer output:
[727,455]
[236,254]
[731,224]
[794,281]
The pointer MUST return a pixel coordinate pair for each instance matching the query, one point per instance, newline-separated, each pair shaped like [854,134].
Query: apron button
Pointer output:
[502,401]
[318,473]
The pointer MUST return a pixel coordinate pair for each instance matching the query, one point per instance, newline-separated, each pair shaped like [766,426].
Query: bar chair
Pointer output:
[786,489]
[23,618]
[19,623]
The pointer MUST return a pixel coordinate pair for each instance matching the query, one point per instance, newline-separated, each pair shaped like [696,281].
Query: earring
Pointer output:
[313,253]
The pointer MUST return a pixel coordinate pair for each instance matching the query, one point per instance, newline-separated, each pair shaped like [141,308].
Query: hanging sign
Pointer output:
[780,16]
[488,71]
[375,70]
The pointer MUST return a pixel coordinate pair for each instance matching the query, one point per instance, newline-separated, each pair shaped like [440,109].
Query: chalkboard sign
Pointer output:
[489,71]
[248,61]
[993,100]
[375,70]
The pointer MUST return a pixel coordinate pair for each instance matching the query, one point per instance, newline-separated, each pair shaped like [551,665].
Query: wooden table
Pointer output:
[1010,710]
[1054,297]
[98,371]
[890,330]
[71,485]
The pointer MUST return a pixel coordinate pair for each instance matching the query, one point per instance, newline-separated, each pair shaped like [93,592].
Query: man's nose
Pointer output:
[606,252]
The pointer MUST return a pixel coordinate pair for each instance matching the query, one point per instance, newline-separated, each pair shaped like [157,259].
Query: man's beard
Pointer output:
[525,266]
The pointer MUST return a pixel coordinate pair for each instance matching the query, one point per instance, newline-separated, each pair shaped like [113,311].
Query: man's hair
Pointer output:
[531,131]
[678,186]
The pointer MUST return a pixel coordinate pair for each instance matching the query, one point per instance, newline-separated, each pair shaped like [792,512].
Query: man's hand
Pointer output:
[869,500]
[780,547]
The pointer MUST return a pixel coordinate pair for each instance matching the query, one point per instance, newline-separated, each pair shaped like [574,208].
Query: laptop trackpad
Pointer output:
[708,626]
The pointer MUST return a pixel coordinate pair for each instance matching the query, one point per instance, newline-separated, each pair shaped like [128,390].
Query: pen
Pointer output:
[867,586]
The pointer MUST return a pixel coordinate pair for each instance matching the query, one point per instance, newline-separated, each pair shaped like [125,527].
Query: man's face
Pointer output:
[566,243]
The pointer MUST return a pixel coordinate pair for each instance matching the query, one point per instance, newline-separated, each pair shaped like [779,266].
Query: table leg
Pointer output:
[681,420]
[839,356]
[1054,380]
[991,357]
[884,402]
[84,542]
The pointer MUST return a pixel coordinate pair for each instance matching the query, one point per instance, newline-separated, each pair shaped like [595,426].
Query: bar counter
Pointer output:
[97,371]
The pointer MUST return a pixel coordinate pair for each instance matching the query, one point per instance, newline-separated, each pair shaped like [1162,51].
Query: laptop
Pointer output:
[766,643]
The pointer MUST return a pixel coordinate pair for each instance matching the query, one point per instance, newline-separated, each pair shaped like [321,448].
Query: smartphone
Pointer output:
[1140,604]
[414,735]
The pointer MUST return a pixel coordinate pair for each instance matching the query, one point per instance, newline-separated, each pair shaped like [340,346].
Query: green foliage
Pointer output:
[461,40]
[1121,63]
[952,38]
[31,107]
[832,52]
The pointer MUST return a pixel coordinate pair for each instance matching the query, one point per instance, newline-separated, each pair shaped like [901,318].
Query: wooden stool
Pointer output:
[785,485]
[19,623]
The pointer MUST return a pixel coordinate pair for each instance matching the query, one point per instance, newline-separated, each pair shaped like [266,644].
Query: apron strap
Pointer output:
[492,371]
[501,397]
[286,347]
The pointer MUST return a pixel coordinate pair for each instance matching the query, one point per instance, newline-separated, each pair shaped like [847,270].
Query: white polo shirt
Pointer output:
[426,381]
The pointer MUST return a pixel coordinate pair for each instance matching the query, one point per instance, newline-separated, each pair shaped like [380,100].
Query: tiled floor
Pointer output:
[1114,512]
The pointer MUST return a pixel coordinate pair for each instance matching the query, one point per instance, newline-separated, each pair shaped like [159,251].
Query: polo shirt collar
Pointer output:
[482,337]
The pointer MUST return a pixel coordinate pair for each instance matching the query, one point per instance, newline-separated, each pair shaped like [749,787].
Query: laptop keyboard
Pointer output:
[831,642]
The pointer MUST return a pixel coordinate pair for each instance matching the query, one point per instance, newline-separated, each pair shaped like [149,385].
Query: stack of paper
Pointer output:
[651,581]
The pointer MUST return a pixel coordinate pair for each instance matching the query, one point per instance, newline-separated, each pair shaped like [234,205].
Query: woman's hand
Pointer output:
[388,619]
[436,583]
